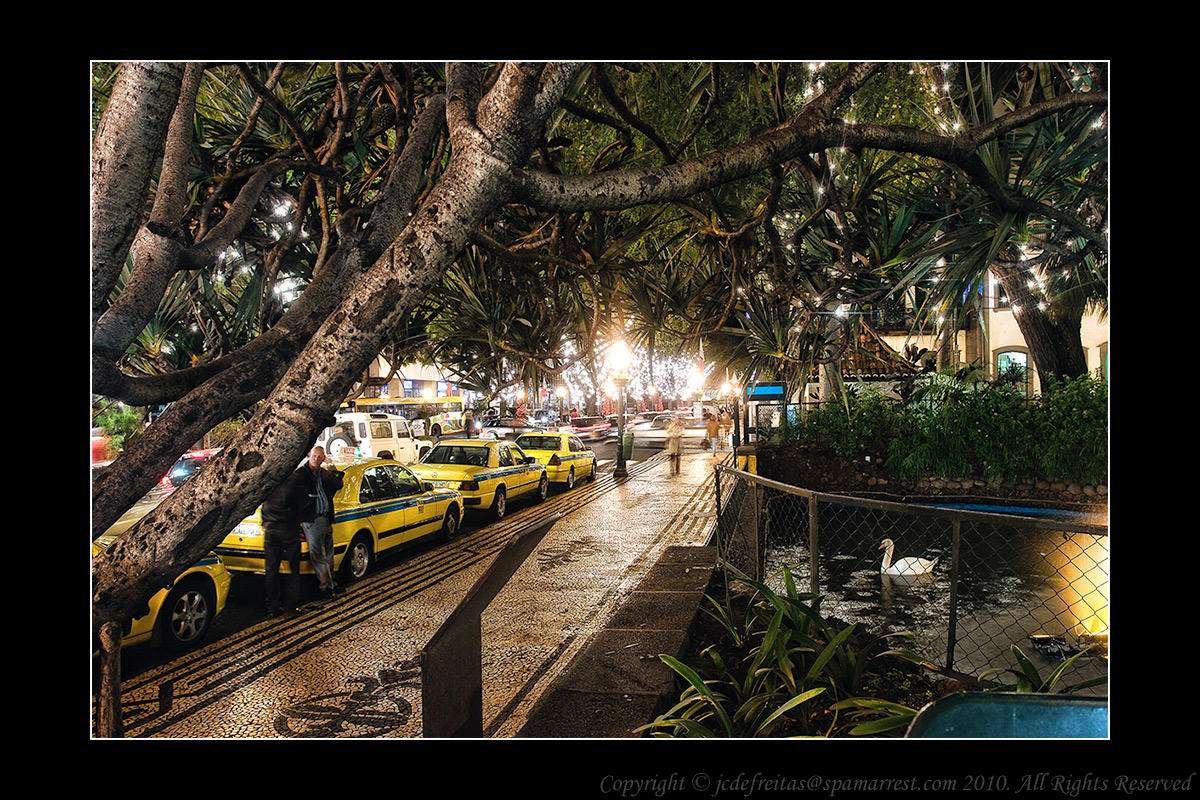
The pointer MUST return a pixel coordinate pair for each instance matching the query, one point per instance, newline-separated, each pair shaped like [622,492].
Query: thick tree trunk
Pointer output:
[1055,342]
[246,378]
[127,144]
[194,519]
[108,699]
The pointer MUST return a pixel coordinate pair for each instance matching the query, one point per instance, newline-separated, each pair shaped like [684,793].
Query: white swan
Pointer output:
[905,566]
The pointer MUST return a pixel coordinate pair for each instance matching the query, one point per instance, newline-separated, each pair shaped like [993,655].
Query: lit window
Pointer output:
[1012,366]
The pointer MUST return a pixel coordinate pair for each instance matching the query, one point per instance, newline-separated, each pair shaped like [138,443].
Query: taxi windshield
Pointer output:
[538,442]
[474,456]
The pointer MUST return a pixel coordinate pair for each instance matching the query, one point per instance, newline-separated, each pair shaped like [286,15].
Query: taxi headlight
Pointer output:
[247,529]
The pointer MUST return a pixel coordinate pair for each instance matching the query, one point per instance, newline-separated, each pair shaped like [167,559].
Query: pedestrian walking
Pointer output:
[675,443]
[712,430]
[469,422]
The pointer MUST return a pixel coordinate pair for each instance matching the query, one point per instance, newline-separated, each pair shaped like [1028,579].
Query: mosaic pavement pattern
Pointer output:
[347,668]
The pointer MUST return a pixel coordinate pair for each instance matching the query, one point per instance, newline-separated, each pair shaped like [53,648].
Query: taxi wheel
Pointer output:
[358,558]
[499,505]
[543,489]
[571,479]
[450,524]
[186,614]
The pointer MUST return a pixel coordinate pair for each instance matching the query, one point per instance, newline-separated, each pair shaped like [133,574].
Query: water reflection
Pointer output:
[1013,582]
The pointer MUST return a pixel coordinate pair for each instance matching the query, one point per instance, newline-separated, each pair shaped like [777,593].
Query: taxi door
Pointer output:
[525,477]
[584,457]
[422,514]
[385,509]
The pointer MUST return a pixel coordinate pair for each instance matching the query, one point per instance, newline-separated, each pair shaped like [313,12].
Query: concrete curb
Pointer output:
[617,682]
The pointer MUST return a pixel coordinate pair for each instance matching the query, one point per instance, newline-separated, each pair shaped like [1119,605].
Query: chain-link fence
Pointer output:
[988,580]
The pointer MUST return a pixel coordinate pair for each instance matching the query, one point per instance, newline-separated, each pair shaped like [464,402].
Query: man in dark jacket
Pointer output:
[303,502]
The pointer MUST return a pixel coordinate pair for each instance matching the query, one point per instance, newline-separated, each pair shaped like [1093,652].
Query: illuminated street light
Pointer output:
[619,360]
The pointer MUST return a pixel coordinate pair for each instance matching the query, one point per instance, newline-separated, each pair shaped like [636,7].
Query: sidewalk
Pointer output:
[347,668]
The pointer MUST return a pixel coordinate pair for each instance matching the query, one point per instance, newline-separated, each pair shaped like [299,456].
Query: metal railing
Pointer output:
[998,579]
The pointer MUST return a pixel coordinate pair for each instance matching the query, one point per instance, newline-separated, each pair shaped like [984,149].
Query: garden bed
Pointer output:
[884,677]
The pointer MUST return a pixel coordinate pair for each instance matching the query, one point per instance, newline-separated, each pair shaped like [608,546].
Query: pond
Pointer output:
[1015,582]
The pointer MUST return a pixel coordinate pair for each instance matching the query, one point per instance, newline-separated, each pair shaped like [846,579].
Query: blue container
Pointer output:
[1012,715]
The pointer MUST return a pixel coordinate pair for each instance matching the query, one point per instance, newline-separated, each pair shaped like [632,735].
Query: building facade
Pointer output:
[991,337]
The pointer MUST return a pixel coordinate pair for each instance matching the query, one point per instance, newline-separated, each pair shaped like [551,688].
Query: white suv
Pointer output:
[369,434]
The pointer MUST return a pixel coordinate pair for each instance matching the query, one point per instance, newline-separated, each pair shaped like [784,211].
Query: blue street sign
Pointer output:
[767,391]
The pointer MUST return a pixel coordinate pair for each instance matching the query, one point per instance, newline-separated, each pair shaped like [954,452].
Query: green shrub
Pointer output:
[991,431]
[771,663]
[120,424]
[1072,426]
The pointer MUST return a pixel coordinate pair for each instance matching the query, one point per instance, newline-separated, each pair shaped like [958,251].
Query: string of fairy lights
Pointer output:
[669,378]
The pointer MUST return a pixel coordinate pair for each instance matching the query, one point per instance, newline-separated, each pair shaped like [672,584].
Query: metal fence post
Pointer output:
[952,632]
[813,544]
[755,499]
[717,488]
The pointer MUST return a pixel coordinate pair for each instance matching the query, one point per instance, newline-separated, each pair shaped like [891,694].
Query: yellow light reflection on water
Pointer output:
[1086,574]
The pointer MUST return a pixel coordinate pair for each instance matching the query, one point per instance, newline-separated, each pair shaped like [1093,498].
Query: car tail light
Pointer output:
[469,486]
[554,462]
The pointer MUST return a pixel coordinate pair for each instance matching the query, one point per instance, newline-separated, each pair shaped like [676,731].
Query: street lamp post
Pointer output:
[619,360]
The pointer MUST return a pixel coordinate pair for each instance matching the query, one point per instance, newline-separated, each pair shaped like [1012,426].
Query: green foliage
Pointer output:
[1030,681]
[881,716]
[864,426]
[1072,427]
[954,429]
[121,424]
[770,664]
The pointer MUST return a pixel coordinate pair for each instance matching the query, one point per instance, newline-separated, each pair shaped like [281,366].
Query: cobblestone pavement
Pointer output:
[347,667]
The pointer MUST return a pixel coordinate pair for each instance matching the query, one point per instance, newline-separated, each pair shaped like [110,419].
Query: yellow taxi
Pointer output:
[488,473]
[565,457]
[179,616]
[381,505]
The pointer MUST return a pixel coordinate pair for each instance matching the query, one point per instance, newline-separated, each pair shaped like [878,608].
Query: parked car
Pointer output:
[565,456]
[590,427]
[381,505]
[186,467]
[487,473]
[363,434]
[179,616]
